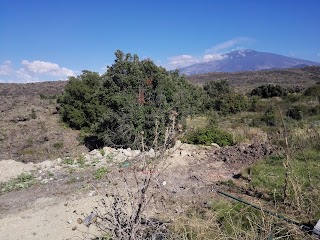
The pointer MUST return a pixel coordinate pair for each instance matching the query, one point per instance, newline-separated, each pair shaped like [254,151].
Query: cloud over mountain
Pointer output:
[215,52]
[246,60]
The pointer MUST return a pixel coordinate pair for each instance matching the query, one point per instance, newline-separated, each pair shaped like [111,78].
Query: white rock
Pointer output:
[215,145]
[151,153]
[127,152]
[164,183]
[136,153]
[92,193]
[93,152]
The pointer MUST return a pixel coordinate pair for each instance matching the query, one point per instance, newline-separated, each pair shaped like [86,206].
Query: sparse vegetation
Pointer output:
[58,145]
[22,181]
[100,173]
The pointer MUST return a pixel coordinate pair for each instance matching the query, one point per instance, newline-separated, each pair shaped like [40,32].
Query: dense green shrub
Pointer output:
[79,104]
[269,91]
[221,98]
[206,136]
[129,101]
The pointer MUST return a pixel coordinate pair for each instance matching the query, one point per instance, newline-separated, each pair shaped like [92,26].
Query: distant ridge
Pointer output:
[246,60]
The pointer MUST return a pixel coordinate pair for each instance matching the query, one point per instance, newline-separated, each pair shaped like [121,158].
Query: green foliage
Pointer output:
[68,161]
[231,103]
[269,91]
[269,117]
[206,136]
[215,89]
[295,112]
[313,91]
[220,97]
[22,181]
[100,173]
[79,104]
[132,97]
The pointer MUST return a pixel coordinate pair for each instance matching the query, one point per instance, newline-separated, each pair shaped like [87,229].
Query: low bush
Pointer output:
[206,136]
[269,91]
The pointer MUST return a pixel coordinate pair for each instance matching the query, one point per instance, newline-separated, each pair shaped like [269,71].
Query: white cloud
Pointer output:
[228,45]
[33,71]
[47,68]
[182,61]
[5,68]
[215,53]
[213,57]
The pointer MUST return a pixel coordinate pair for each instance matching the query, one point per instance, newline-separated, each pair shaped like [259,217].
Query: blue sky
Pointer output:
[52,39]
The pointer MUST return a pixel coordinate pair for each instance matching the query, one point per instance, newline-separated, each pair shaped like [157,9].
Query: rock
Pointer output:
[215,145]
[93,152]
[92,193]
[151,153]
[136,153]
[44,181]
[127,152]
[59,160]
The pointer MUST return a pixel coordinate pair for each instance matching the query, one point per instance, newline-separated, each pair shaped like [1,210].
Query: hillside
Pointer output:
[246,60]
[292,77]
[30,129]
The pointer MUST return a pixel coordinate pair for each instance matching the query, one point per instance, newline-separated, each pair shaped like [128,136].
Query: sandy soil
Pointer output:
[50,209]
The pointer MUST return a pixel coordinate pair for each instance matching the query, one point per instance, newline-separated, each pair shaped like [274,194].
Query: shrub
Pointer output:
[269,117]
[220,97]
[313,91]
[295,112]
[209,136]
[132,97]
[269,91]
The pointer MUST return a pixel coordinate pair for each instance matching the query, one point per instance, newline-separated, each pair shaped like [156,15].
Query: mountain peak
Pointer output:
[246,60]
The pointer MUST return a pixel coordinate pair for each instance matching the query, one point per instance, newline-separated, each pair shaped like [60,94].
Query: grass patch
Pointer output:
[100,173]
[197,122]
[22,181]
[68,161]
[207,136]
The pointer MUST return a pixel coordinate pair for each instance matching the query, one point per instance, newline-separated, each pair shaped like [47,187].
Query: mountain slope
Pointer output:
[246,60]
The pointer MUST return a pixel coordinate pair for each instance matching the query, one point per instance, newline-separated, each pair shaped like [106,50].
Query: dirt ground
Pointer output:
[63,192]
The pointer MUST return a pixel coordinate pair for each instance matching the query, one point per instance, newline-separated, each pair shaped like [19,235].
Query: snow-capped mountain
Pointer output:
[246,60]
